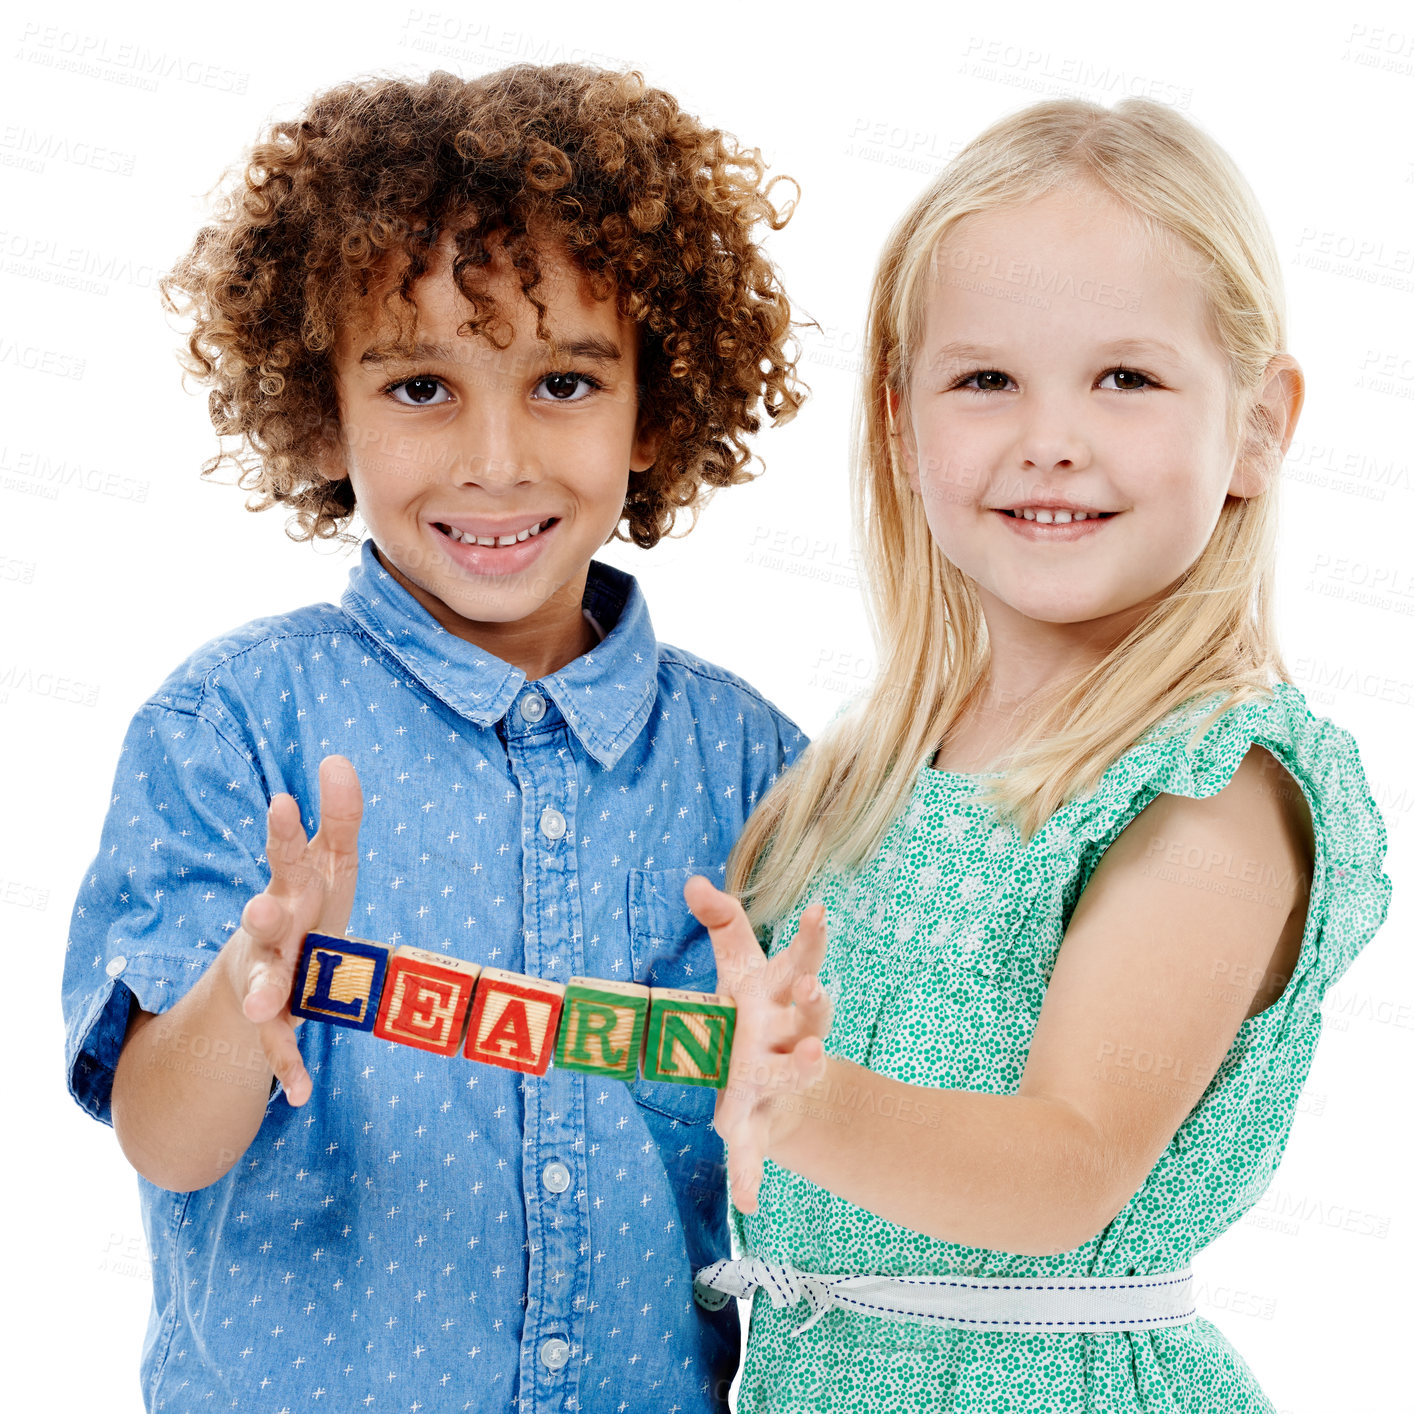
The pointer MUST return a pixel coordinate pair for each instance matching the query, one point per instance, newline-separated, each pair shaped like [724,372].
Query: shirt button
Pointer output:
[116,966]
[555,1176]
[552,823]
[532,707]
[554,1352]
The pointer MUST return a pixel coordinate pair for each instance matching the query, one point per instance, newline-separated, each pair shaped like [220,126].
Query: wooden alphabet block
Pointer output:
[513,1021]
[689,1037]
[339,980]
[426,1000]
[602,1027]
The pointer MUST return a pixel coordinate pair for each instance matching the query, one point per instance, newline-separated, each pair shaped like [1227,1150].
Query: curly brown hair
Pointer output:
[655,207]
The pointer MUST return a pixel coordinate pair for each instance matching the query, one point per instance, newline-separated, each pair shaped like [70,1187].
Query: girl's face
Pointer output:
[1064,364]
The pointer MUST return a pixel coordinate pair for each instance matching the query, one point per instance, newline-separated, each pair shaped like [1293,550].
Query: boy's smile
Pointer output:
[489,476]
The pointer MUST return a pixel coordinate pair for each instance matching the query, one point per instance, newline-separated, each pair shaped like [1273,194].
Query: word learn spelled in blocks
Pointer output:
[445,1005]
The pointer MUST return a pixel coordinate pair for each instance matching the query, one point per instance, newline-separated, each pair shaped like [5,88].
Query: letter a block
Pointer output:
[426,999]
[513,1021]
[689,1037]
[339,979]
[602,1027]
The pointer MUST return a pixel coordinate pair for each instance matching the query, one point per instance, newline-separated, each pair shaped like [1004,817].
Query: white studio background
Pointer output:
[117,559]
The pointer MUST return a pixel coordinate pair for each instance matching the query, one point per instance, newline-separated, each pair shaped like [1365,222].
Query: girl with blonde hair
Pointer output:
[1050,910]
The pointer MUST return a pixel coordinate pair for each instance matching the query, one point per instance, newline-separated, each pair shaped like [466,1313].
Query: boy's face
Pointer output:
[493,442]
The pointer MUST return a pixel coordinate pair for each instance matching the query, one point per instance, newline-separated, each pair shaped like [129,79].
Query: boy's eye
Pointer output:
[566,387]
[1127,380]
[420,391]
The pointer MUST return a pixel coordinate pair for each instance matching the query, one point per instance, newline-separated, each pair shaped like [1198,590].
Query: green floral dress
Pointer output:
[939,954]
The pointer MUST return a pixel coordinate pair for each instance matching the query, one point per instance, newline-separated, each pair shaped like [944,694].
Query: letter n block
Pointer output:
[426,999]
[338,980]
[602,1027]
[513,1021]
[689,1037]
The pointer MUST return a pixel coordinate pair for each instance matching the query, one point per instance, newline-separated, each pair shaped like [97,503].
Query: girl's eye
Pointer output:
[421,391]
[985,380]
[1127,380]
[567,387]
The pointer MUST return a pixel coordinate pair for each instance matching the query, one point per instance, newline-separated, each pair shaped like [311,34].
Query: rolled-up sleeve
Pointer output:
[182,850]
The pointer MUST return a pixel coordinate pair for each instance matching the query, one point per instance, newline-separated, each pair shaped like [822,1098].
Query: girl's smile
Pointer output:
[1060,526]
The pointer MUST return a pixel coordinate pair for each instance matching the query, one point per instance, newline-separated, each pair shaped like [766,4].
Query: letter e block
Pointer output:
[689,1037]
[602,1027]
[426,1000]
[338,980]
[513,1021]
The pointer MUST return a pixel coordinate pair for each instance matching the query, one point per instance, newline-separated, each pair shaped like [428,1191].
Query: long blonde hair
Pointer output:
[1213,631]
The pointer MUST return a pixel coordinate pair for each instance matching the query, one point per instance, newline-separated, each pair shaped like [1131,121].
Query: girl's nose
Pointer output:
[1051,438]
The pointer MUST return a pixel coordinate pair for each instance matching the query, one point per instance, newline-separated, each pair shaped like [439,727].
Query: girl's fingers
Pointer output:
[805,954]
[807,1064]
[813,1008]
[745,1158]
[739,956]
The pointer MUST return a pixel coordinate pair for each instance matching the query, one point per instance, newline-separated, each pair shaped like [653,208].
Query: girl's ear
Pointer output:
[1270,426]
[901,438]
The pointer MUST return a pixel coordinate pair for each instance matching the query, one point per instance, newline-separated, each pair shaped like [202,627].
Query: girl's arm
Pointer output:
[1168,950]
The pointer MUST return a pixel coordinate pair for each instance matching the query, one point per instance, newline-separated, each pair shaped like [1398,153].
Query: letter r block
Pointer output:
[513,1021]
[602,1027]
[338,980]
[426,1000]
[689,1037]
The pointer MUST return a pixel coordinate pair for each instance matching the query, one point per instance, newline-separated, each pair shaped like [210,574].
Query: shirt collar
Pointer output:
[605,694]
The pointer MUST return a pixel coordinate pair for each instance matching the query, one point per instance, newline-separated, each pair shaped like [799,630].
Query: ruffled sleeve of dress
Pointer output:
[1184,755]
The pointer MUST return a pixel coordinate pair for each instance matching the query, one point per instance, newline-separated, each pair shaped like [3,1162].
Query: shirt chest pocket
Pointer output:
[669,948]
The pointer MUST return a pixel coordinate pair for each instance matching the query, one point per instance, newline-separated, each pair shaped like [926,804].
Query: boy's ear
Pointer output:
[1269,428]
[329,459]
[647,443]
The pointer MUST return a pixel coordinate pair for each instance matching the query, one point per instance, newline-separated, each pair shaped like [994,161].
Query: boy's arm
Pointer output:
[192,1084]
[182,1121]
[153,938]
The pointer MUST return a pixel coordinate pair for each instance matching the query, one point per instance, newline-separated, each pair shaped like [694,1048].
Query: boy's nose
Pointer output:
[492,457]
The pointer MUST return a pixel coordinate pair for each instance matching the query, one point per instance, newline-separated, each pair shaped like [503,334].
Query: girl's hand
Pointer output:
[782,1018]
[311,890]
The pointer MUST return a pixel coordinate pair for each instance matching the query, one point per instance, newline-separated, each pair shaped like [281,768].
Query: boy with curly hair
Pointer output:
[499,319]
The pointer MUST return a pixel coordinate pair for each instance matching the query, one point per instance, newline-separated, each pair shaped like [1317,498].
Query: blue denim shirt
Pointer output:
[427,1232]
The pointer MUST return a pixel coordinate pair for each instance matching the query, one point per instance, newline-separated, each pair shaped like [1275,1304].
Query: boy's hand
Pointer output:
[311,890]
[782,1018]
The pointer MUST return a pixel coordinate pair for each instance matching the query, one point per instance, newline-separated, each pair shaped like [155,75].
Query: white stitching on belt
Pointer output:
[1035,1304]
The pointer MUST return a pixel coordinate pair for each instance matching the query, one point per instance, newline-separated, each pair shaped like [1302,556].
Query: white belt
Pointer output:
[1034,1304]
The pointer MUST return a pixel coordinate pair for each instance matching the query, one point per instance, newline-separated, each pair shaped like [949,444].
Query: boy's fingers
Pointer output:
[285,845]
[340,807]
[335,846]
[270,975]
[277,1040]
